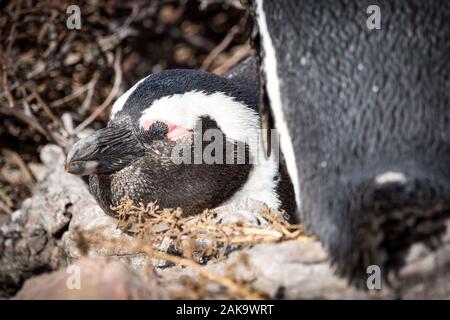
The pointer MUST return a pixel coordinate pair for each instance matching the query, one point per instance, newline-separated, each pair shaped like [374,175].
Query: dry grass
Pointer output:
[204,236]
[194,239]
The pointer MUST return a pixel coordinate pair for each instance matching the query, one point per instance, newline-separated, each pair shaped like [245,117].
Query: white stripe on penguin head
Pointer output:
[120,102]
[234,118]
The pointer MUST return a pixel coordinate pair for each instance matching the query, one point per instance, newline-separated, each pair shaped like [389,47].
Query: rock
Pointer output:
[301,270]
[92,279]
[39,237]
[29,244]
[288,270]
[246,211]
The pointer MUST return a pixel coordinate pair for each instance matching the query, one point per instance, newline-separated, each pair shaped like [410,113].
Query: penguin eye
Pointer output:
[157,131]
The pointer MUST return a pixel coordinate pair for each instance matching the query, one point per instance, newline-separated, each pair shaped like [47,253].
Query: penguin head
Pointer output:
[134,155]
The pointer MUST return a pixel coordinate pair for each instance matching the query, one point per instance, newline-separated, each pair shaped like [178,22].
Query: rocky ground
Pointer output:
[57,83]
[61,226]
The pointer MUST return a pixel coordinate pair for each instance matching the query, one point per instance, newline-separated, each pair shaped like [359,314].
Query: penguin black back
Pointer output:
[366,122]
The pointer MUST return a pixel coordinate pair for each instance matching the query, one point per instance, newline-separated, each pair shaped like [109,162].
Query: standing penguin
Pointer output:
[156,123]
[359,91]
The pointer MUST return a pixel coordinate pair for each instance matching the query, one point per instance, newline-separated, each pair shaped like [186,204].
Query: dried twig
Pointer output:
[4,207]
[6,199]
[47,109]
[6,90]
[90,93]
[244,291]
[138,246]
[220,47]
[90,86]
[243,52]
[26,118]
[155,225]
[16,159]
[113,93]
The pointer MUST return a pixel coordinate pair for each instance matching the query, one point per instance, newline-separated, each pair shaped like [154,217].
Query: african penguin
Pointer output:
[155,147]
[364,120]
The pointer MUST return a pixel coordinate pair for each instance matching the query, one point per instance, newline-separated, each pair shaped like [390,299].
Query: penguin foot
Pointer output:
[396,215]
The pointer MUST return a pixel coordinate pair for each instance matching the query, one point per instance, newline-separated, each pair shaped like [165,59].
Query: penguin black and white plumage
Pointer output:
[133,156]
[364,120]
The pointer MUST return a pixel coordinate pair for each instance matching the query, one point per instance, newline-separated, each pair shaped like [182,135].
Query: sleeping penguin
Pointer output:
[156,147]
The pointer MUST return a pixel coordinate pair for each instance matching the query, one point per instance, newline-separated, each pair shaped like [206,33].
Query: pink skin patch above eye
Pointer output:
[174,132]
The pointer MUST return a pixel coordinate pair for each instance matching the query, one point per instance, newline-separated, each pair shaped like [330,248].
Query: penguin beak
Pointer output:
[105,151]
